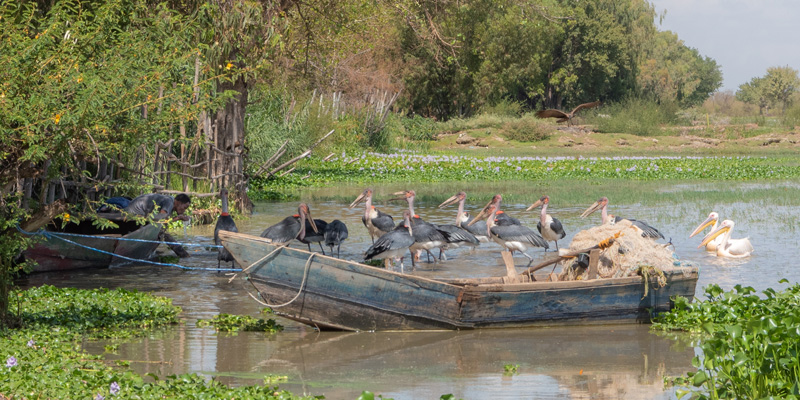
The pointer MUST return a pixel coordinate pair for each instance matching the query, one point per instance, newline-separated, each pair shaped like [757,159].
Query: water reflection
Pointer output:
[600,362]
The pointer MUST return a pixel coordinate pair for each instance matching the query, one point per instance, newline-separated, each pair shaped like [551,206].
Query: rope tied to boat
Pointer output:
[50,235]
[302,283]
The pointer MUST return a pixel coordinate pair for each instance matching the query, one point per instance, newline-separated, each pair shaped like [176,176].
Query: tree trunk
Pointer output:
[230,133]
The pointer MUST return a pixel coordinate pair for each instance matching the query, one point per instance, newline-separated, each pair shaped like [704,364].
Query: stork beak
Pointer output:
[449,201]
[481,215]
[714,234]
[408,225]
[708,222]
[594,207]
[534,205]
[400,196]
[313,224]
[361,198]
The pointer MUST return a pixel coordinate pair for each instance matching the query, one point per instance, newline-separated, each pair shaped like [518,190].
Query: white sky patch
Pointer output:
[744,37]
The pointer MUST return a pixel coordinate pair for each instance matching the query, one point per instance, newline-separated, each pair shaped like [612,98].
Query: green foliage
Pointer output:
[672,72]
[510,369]
[750,343]
[103,312]
[528,128]
[636,116]
[778,87]
[48,361]
[235,323]
[505,107]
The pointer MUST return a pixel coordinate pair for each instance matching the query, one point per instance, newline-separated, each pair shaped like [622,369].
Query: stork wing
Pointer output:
[551,114]
[586,105]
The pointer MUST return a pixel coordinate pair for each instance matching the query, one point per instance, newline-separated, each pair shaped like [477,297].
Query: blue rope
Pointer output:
[216,246]
[48,235]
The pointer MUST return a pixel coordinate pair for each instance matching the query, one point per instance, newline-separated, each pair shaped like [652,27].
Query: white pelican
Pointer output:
[713,217]
[731,248]
[550,228]
[643,227]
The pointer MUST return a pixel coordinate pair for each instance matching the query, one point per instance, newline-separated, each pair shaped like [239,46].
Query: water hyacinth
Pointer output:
[11,362]
[404,166]
[114,388]
[99,397]
[31,343]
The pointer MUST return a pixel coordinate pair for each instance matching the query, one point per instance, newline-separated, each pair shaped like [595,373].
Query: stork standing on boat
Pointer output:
[713,218]
[730,248]
[426,235]
[645,229]
[224,223]
[550,228]
[510,237]
[392,246]
[291,227]
[377,222]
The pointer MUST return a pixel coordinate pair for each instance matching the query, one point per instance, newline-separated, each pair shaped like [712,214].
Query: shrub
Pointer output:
[527,129]
[507,108]
[636,116]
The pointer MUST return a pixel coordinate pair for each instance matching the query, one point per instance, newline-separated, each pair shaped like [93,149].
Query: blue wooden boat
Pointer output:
[329,293]
[86,246]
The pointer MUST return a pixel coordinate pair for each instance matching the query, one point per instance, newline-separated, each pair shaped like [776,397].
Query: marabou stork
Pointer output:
[335,234]
[463,219]
[550,228]
[731,248]
[315,237]
[224,223]
[713,217]
[392,245]
[644,228]
[510,237]
[376,221]
[291,227]
[433,236]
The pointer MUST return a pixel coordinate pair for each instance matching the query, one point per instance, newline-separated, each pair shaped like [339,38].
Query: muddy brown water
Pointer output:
[597,362]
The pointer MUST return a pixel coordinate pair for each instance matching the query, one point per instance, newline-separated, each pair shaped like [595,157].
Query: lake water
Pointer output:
[597,362]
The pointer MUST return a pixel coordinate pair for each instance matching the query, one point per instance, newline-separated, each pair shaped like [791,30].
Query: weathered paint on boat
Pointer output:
[54,254]
[339,294]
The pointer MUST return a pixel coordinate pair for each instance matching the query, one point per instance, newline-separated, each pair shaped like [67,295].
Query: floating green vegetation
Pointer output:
[99,313]
[750,343]
[510,369]
[44,359]
[414,167]
[235,323]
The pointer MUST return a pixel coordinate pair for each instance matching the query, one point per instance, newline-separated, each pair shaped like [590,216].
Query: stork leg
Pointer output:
[442,256]
[529,258]
[320,247]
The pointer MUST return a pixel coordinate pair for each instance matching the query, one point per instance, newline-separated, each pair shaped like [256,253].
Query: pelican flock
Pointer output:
[731,248]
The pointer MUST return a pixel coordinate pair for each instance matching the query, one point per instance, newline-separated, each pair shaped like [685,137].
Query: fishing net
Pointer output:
[630,254]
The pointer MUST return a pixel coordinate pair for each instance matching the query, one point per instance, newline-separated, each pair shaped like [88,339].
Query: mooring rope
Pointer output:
[49,235]
[302,283]
[42,232]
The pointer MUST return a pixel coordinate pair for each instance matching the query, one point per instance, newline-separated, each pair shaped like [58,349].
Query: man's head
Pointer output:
[182,202]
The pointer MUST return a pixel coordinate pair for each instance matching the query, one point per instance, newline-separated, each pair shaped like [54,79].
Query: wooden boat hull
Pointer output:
[59,255]
[334,294]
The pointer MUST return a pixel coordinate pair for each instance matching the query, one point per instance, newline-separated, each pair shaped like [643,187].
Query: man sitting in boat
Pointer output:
[147,203]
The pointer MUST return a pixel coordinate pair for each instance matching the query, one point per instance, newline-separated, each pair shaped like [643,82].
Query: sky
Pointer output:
[744,37]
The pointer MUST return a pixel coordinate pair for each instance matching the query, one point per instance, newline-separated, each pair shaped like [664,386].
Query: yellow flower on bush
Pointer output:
[57,118]
[65,217]
[229,66]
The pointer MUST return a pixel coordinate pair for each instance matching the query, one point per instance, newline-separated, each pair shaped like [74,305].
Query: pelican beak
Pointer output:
[449,201]
[534,205]
[594,207]
[714,234]
[361,198]
[708,222]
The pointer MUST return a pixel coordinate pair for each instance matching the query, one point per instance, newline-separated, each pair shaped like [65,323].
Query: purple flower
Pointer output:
[11,362]
[99,397]
[114,388]
[31,343]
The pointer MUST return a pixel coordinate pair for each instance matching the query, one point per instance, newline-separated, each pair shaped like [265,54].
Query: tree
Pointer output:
[75,79]
[776,87]
[670,71]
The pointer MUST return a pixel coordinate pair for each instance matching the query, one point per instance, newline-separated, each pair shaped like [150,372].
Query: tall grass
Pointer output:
[635,116]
